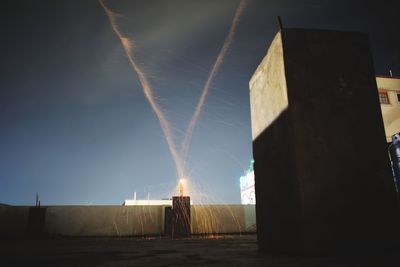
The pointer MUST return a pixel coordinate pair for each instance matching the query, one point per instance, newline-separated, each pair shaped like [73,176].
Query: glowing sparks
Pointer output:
[178,156]
[214,70]
[147,90]
[180,187]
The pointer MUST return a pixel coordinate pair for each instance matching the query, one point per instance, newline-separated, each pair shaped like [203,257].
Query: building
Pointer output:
[247,189]
[389,97]
[147,202]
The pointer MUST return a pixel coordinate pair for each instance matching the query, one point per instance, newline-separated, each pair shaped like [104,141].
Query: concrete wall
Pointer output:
[276,202]
[208,219]
[391,111]
[268,85]
[125,220]
[104,220]
[13,221]
[322,176]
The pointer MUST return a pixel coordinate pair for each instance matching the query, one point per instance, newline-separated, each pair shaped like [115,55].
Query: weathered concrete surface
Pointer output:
[221,251]
[125,220]
[104,220]
[268,91]
[322,175]
[209,219]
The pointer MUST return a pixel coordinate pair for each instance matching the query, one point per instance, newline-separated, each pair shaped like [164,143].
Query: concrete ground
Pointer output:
[225,251]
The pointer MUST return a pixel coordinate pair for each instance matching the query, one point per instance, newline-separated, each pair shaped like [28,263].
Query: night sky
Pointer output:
[75,125]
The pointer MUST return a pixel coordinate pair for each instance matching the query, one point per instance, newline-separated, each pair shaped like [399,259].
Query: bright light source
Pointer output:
[180,187]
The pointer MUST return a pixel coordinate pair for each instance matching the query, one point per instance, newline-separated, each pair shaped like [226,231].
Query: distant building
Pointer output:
[247,189]
[389,97]
[147,202]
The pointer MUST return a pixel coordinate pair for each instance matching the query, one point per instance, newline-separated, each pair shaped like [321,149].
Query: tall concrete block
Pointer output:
[36,222]
[181,216]
[322,176]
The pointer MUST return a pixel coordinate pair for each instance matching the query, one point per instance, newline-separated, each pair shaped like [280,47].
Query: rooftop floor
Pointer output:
[225,251]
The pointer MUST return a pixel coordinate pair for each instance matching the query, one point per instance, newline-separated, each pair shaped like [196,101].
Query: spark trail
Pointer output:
[178,156]
[147,90]
[228,40]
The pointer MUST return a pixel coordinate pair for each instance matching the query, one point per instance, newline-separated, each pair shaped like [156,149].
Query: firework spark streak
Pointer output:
[148,92]
[228,40]
[178,156]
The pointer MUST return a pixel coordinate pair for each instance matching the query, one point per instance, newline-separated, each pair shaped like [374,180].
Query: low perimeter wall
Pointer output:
[125,220]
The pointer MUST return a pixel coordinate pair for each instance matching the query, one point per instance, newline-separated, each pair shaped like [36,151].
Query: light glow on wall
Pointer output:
[247,189]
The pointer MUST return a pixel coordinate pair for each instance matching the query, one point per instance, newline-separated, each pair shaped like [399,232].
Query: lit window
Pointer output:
[384,98]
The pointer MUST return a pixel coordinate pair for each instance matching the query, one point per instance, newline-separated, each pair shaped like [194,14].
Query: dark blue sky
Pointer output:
[75,126]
